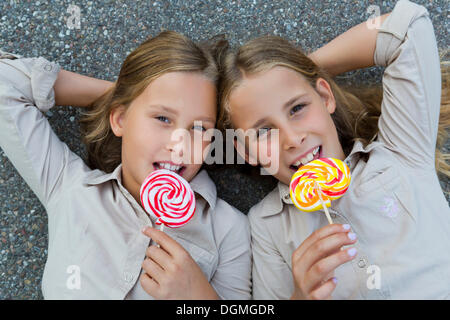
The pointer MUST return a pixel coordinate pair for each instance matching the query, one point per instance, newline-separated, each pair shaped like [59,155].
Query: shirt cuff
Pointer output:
[393,30]
[43,77]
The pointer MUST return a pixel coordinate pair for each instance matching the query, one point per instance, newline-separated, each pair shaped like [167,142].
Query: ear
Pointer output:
[324,90]
[116,120]
[244,153]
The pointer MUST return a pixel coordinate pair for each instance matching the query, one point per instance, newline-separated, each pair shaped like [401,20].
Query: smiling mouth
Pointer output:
[314,155]
[179,169]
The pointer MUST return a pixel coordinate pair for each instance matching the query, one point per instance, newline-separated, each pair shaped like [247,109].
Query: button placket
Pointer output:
[335,214]
[140,212]
[127,276]
[360,263]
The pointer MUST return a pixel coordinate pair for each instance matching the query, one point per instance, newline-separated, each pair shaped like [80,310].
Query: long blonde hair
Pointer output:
[358,108]
[167,52]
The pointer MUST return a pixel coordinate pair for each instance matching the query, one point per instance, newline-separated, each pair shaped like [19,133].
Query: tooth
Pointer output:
[309,157]
[315,150]
[297,163]
[304,160]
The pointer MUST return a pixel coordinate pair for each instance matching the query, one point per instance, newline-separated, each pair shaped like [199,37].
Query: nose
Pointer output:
[291,138]
[177,144]
[175,147]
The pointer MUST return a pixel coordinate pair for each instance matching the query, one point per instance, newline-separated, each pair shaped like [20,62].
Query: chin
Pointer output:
[191,172]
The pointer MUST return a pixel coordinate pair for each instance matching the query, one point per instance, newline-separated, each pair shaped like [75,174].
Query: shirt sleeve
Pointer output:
[26,137]
[406,46]
[271,275]
[232,278]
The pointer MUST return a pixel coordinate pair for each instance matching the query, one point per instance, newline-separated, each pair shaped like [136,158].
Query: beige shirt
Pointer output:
[95,244]
[394,203]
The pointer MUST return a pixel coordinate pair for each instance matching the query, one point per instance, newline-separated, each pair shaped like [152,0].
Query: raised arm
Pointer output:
[351,50]
[405,45]
[73,89]
[26,137]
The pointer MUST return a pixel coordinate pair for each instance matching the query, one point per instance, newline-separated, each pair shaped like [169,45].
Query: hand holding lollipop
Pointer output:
[168,197]
[319,182]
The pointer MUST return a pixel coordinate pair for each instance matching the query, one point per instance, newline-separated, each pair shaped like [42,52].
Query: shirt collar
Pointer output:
[274,202]
[204,186]
[201,184]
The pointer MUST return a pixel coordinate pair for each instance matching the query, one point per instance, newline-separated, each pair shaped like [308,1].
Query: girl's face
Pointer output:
[158,129]
[282,99]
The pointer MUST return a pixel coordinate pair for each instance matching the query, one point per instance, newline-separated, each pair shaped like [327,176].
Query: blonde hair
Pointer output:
[167,52]
[357,108]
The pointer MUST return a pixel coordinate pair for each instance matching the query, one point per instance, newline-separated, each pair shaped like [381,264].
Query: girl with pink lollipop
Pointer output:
[94,209]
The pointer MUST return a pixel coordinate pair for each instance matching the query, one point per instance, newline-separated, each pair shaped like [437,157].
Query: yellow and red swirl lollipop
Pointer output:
[168,197]
[319,182]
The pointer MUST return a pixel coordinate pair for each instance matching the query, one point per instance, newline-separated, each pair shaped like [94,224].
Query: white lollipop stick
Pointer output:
[161,228]
[319,192]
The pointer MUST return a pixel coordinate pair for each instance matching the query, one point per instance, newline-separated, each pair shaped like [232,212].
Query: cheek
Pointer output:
[323,118]
[196,149]
[141,137]
[269,151]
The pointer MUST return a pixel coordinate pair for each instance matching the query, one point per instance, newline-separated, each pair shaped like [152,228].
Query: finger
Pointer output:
[324,291]
[148,284]
[324,248]
[322,268]
[317,235]
[153,269]
[163,239]
[160,256]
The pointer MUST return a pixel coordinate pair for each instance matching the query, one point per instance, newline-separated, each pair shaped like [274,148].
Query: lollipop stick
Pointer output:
[319,192]
[161,228]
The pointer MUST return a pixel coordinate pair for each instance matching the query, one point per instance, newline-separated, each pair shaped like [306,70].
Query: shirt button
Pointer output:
[48,67]
[287,197]
[361,263]
[128,276]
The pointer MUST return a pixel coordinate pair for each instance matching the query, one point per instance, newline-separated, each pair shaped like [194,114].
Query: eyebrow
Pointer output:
[165,108]
[175,112]
[206,119]
[285,105]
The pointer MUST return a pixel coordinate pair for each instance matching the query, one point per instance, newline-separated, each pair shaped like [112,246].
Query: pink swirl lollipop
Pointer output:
[168,197]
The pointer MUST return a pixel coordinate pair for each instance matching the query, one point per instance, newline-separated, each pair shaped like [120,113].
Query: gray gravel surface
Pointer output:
[108,31]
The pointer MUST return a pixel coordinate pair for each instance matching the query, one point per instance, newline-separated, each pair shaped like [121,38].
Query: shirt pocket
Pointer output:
[205,259]
[388,191]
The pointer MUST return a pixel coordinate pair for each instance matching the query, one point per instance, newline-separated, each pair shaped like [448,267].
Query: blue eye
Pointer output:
[297,108]
[163,119]
[199,128]
[262,131]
